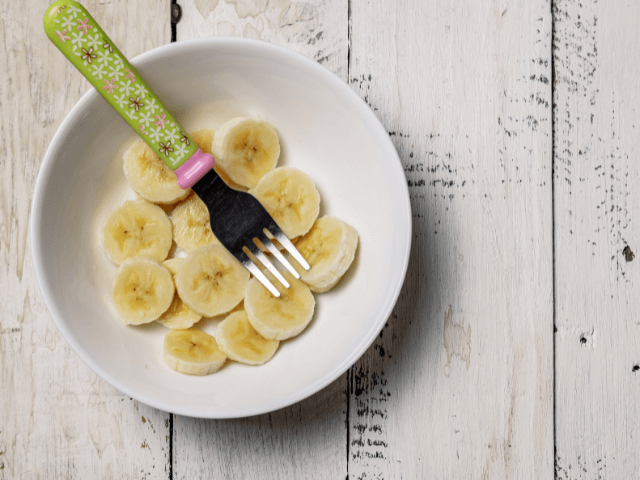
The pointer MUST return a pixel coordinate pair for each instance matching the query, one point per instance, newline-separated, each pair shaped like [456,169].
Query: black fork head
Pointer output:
[236,217]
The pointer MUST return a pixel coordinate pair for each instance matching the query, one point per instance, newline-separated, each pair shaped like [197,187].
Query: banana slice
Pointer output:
[211,281]
[142,290]
[192,225]
[149,176]
[173,265]
[204,139]
[279,318]
[276,244]
[137,228]
[192,352]
[242,343]
[329,247]
[178,315]
[291,198]
[246,148]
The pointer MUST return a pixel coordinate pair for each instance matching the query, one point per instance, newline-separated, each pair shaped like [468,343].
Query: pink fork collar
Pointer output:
[194,169]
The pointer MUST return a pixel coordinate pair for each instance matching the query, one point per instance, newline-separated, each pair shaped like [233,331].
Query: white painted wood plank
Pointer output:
[460,384]
[597,191]
[316,29]
[57,418]
[306,440]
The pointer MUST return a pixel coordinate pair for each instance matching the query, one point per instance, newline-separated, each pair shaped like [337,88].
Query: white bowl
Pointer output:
[326,130]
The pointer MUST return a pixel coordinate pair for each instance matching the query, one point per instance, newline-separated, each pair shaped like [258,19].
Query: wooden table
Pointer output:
[514,349]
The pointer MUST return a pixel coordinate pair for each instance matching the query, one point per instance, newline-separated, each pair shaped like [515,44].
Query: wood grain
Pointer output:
[57,418]
[306,440]
[459,384]
[317,29]
[596,181]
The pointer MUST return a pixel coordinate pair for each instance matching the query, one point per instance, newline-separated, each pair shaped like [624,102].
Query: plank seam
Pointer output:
[174,26]
[349,376]
[171,446]
[553,222]
[349,42]
[174,35]
[348,410]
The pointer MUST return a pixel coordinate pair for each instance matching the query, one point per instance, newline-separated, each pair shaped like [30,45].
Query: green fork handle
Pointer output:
[79,37]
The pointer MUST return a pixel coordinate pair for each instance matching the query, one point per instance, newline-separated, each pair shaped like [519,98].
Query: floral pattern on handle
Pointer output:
[70,27]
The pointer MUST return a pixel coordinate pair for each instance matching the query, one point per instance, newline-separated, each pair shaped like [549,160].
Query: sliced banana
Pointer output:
[246,148]
[276,244]
[173,265]
[204,139]
[211,281]
[142,290]
[192,352]
[178,315]
[192,224]
[291,198]
[242,343]
[149,176]
[329,247]
[279,318]
[227,179]
[137,228]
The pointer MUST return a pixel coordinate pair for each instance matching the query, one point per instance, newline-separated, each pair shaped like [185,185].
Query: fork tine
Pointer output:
[265,261]
[276,253]
[286,243]
[255,271]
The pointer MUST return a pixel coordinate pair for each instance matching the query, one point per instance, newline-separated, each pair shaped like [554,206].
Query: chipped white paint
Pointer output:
[460,384]
[456,341]
[597,192]
[57,418]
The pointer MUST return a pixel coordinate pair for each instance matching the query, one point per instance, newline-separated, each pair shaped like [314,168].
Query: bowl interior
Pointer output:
[325,130]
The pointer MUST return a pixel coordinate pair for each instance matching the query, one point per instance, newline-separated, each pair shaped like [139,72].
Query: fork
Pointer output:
[238,219]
